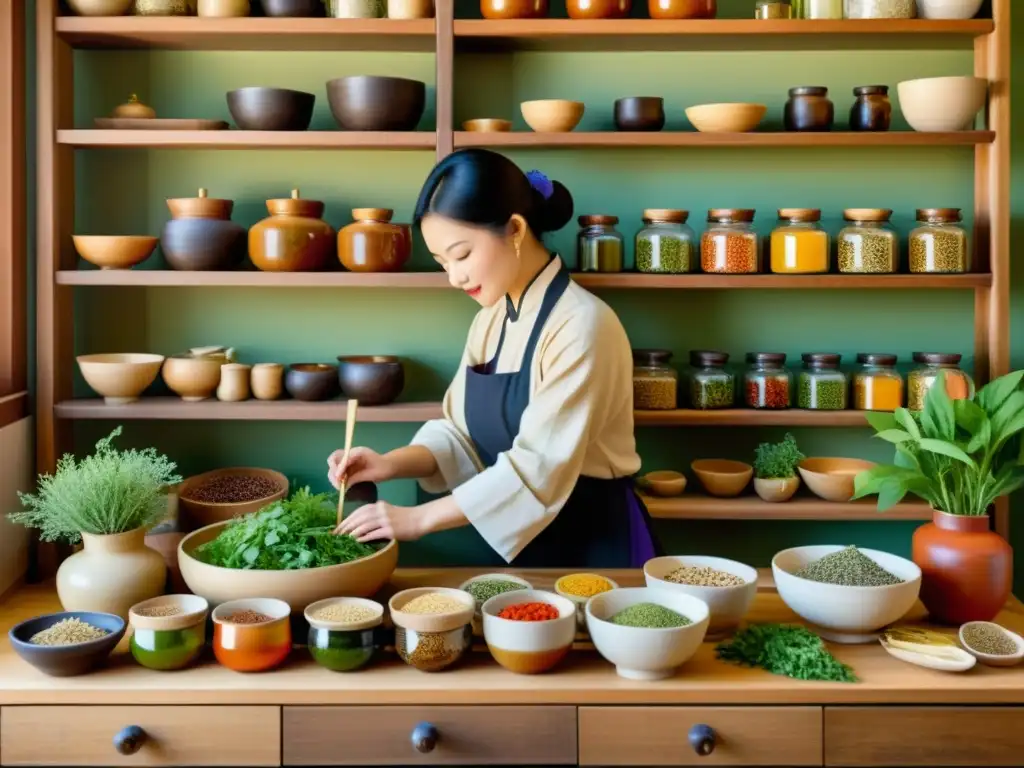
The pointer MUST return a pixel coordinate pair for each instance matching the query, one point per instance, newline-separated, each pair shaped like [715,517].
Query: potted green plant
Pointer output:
[107,501]
[775,476]
[959,456]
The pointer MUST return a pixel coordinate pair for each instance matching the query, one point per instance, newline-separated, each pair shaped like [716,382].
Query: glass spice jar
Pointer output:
[655,382]
[766,382]
[871,110]
[799,245]
[666,243]
[822,386]
[868,244]
[880,9]
[931,365]
[711,384]
[818,9]
[772,9]
[877,385]
[730,245]
[599,246]
[939,244]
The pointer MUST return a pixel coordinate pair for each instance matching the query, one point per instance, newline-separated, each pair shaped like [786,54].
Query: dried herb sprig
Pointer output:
[785,649]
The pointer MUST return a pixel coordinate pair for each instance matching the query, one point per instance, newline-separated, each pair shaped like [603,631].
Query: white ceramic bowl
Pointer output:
[948,9]
[840,613]
[640,653]
[580,602]
[529,647]
[478,626]
[942,103]
[727,605]
[989,659]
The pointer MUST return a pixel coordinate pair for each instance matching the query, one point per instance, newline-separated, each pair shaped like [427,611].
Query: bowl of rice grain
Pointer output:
[68,643]
[727,586]
[433,627]
[344,632]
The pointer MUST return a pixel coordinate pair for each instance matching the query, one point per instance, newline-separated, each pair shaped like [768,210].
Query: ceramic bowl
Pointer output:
[640,113]
[487,125]
[252,647]
[722,477]
[192,378]
[727,605]
[193,513]
[371,103]
[119,377]
[990,659]
[478,622]
[344,646]
[552,115]
[431,622]
[163,640]
[67,660]
[312,381]
[223,9]
[942,103]
[641,653]
[948,9]
[664,483]
[293,8]
[271,109]
[776,489]
[579,600]
[529,647]
[371,379]
[115,251]
[840,613]
[832,478]
[100,7]
[726,118]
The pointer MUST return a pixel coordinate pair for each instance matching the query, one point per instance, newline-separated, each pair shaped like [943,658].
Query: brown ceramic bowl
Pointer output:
[271,109]
[487,125]
[292,8]
[640,113]
[371,103]
[312,382]
[114,251]
[194,513]
[371,379]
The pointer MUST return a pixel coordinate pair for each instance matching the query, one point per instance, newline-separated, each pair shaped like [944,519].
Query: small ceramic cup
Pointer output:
[344,646]
[256,646]
[234,382]
[168,632]
[267,381]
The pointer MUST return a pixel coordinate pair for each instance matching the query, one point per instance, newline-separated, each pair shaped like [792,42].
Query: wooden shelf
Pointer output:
[748,417]
[696,507]
[230,139]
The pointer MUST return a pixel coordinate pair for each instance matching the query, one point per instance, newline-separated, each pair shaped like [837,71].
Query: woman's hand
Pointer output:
[384,521]
[363,466]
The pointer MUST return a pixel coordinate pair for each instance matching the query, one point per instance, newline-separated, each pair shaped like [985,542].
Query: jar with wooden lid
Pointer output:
[877,385]
[682,9]
[514,9]
[799,244]
[598,9]
[294,238]
[880,9]
[201,236]
[712,385]
[373,243]
[730,245]
[872,109]
[766,382]
[930,366]
[655,382]
[822,386]
[818,9]
[666,244]
[809,109]
[868,244]
[939,244]
[599,245]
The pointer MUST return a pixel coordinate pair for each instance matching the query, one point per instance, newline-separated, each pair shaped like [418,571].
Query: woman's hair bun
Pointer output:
[555,212]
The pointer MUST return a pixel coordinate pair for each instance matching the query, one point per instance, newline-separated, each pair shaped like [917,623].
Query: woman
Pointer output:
[536,444]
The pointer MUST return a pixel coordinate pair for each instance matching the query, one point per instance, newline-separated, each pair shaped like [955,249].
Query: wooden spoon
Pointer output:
[350,428]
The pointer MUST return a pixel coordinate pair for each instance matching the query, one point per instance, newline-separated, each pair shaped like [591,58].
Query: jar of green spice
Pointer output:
[599,246]
[666,243]
[711,384]
[939,244]
[822,386]
[868,244]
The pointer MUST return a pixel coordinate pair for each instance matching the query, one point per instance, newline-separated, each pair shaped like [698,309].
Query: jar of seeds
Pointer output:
[877,385]
[939,244]
[766,382]
[730,245]
[655,382]
[822,386]
[666,243]
[599,246]
[930,366]
[881,9]
[868,244]
[818,9]
[711,384]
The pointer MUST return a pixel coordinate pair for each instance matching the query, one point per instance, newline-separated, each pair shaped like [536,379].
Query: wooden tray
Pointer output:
[159,124]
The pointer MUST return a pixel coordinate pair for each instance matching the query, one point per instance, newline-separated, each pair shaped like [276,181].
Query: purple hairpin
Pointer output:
[541,183]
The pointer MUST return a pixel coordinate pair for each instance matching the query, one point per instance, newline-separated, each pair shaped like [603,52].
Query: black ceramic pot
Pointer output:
[370,103]
[311,381]
[293,8]
[371,379]
[872,110]
[271,109]
[640,113]
[809,109]
[202,245]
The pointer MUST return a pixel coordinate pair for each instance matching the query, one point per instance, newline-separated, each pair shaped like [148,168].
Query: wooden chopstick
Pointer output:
[350,428]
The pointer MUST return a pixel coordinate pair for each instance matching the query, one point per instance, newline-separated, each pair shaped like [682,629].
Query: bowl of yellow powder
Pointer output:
[68,643]
[580,587]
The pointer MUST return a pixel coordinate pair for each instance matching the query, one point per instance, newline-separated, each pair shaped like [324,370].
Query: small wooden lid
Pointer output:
[295,206]
[200,207]
[867,214]
[800,214]
[731,214]
[939,214]
[372,214]
[595,220]
[673,215]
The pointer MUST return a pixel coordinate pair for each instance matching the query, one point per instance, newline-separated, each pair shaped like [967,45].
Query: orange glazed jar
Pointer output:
[513,9]
[598,9]
[294,238]
[682,9]
[372,243]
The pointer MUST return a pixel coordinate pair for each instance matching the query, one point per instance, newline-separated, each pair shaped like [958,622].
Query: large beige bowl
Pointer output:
[722,477]
[942,103]
[193,378]
[122,377]
[298,588]
[114,251]
[552,115]
[726,118]
[832,478]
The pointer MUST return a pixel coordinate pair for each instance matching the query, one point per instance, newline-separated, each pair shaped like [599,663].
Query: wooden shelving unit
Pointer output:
[692,506]
[231,139]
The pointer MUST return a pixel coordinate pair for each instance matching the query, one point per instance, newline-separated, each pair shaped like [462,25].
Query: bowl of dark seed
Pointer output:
[486,586]
[728,587]
[68,643]
[992,644]
[223,494]
[847,593]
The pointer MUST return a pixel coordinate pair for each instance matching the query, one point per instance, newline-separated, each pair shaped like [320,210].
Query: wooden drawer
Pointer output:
[926,736]
[180,736]
[524,735]
[660,735]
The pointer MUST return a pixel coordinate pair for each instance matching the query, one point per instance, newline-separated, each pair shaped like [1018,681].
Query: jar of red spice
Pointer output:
[767,384]
[730,245]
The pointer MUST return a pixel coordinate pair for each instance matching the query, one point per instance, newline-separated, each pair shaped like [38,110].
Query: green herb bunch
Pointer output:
[108,492]
[777,460]
[957,455]
[785,649]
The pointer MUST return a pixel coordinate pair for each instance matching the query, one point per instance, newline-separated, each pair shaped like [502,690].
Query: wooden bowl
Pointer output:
[114,251]
[371,103]
[726,118]
[271,109]
[193,514]
[371,379]
[722,477]
[832,478]
[100,7]
[552,115]
[487,125]
[120,377]
[192,378]
[664,483]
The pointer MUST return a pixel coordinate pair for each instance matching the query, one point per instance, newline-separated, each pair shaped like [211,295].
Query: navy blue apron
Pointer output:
[603,524]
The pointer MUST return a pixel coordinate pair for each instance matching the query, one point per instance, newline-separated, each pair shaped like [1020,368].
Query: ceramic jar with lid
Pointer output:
[655,382]
[666,244]
[930,366]
[809,109]
[294,238]
[373,243]
[201,235]
[134,109]
[880,9]
[514,9]
[868,244]
[599,245]
[682,9]
[938,245]
[822,386]
[729,245]
[598,9]
[871,110]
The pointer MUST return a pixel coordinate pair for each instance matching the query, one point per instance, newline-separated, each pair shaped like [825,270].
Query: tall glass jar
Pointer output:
[930,366]
[730,245]
[712,385]
[939,244]
[767,383]
[666,244]
[868,244]
[877,385]
[799,245]
[599,245]
[822,386]
[655,382]
[880,9]
[818,9]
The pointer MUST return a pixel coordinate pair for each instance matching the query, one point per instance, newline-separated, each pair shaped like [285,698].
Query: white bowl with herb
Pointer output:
[992,644]
[847,593]
[487,585]
[646,633]
[727,586]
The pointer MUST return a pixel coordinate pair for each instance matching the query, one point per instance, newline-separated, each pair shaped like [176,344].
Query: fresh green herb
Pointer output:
[288,534]
[777,460]
[785,649]
[109,492]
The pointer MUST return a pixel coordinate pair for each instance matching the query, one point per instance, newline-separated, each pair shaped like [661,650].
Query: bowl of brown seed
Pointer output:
[68,643]
[992,644]
[223,494]
[728,587]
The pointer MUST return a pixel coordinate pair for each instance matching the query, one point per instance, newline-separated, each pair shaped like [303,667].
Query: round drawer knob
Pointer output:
[702,739]
[129,740]
[424,737]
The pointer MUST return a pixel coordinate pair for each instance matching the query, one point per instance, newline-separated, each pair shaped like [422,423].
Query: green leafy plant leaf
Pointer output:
[894,435]
[891,493]
[906,420]
[937,418]
[945,449]
[992,396]
[881,421]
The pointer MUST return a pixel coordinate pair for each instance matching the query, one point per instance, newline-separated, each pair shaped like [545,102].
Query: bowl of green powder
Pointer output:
[646,633]
[848,594]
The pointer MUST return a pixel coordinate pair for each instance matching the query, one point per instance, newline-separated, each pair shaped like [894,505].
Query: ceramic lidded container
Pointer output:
[294,238]
[200,235]
[598,9]
[372,243]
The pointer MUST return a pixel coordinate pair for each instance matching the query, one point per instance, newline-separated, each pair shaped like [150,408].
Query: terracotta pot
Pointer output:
[111,574]
[294,238]
[966,568]
[200,235]
[598,9]
[372,243]
[514,9]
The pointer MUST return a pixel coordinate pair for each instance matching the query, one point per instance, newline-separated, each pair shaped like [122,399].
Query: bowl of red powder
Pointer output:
[529,630]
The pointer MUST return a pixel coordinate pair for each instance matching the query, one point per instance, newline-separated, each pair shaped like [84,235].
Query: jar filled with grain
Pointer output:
[930,367]
[655,382]
[599,245]
[766,382]
[822,386]
[818,9]
[877,385]
[939,244]
[666,244]
[868,244]
[799,244]
[881,9]
[712,385]
[773,9]
[730,245]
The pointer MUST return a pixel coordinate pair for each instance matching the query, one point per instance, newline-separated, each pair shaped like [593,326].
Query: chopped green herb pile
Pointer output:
[785,649]
[288,534]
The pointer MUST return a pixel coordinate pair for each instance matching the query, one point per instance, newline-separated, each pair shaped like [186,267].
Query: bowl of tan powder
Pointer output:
[433,626]
[344,632]
[728,587]
[68,643]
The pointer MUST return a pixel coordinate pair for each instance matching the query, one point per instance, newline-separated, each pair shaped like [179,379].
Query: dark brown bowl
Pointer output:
[271,109]
[293,8]
[371,379]
[371,103]
[640,113]
[312,381]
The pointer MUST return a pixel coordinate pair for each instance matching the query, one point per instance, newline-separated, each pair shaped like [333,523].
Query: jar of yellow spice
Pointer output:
[877,385]
[580,587]
[799,245]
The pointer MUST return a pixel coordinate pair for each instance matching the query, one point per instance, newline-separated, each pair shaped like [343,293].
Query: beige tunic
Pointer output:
[579,420]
